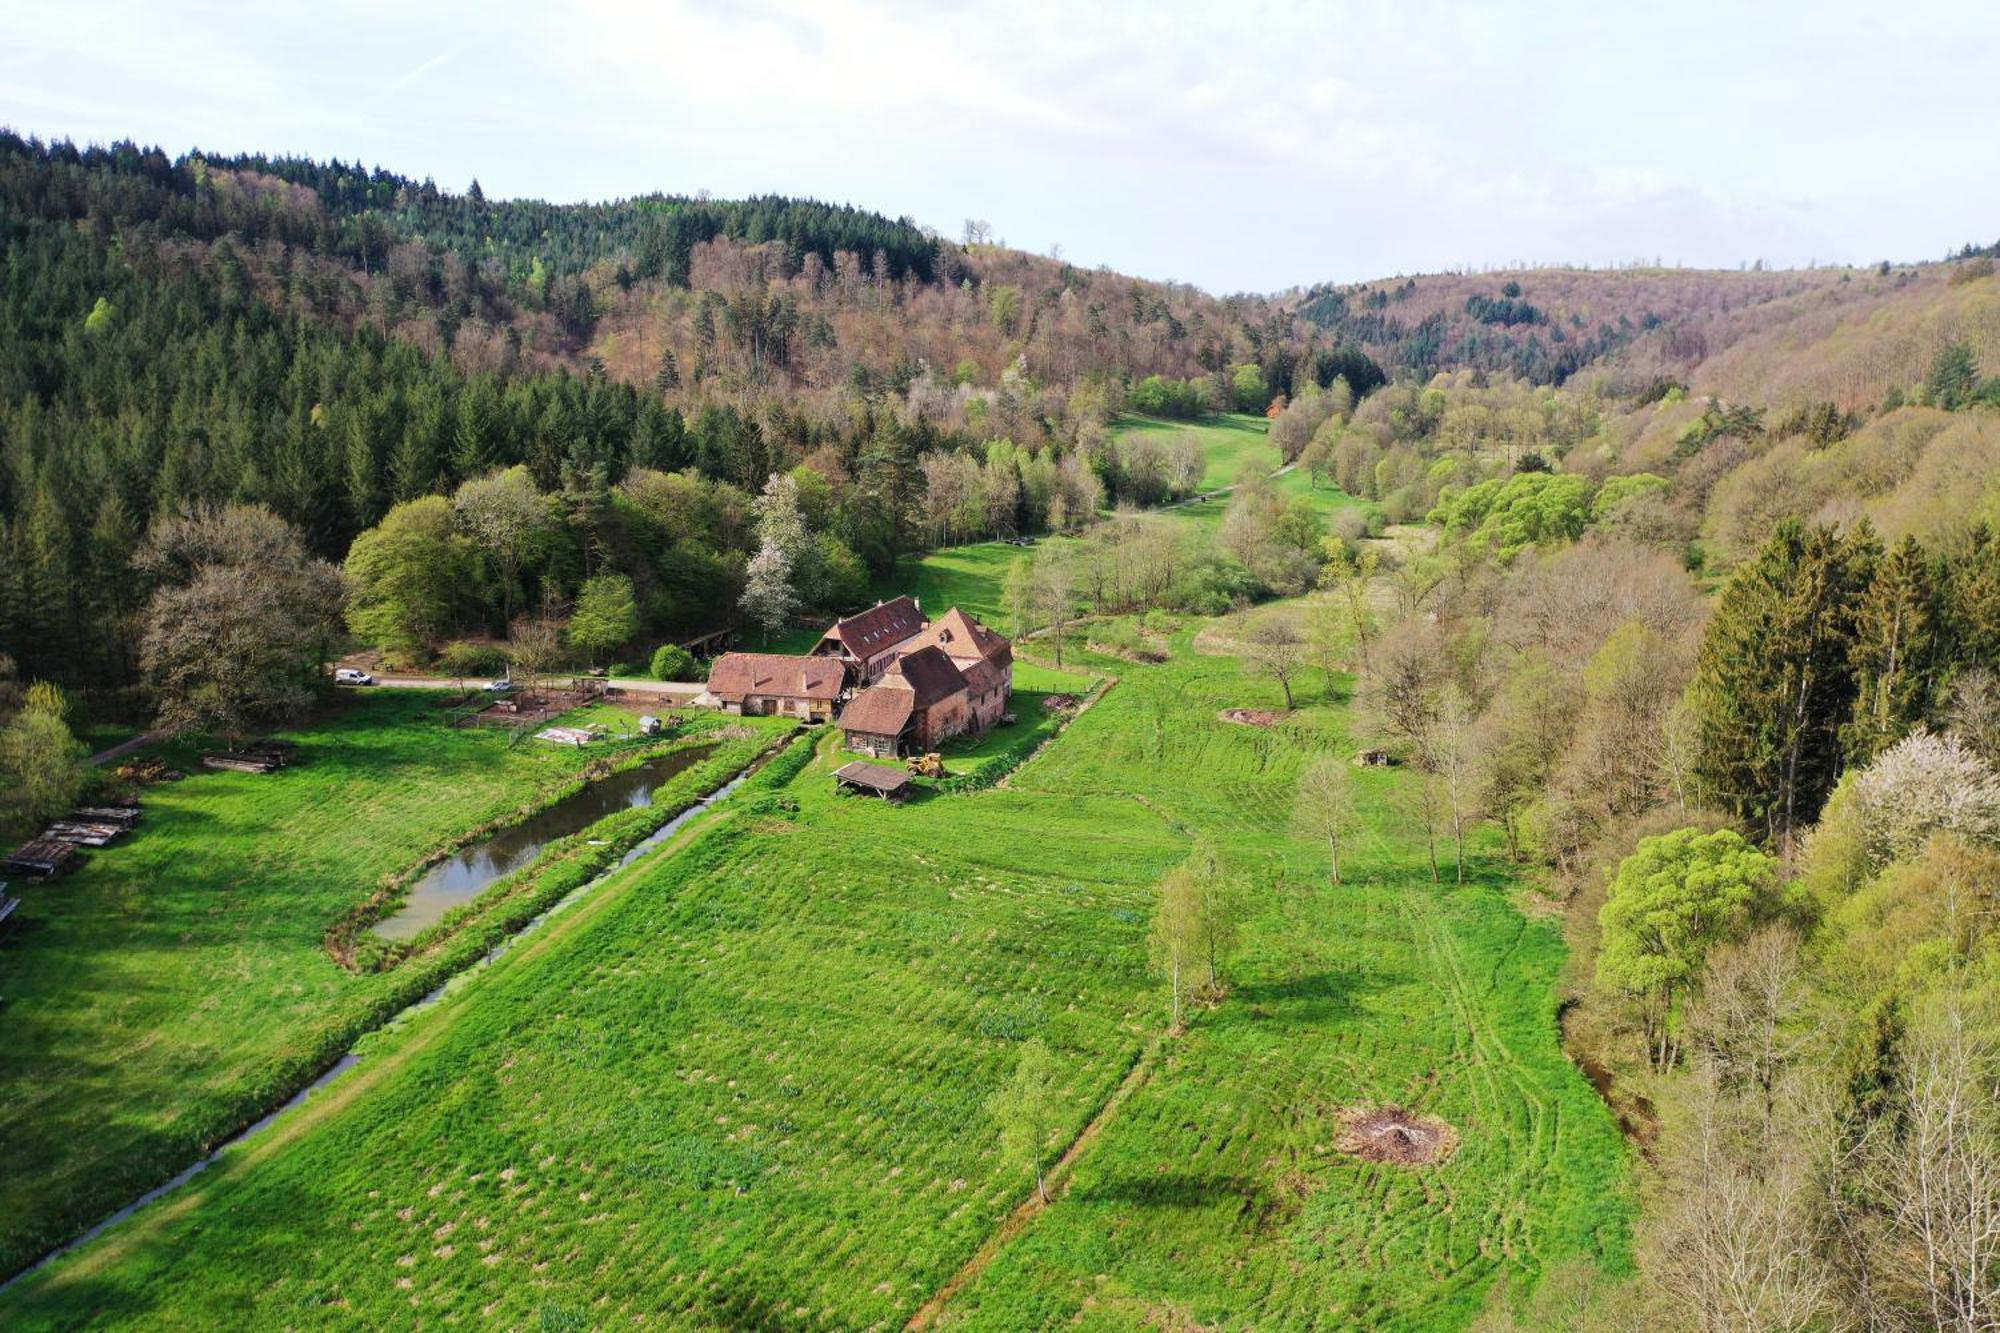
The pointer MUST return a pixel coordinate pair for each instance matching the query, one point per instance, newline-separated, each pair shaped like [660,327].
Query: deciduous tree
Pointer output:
[1325,807]
[606,615]
[1026,1111]
[1674,898]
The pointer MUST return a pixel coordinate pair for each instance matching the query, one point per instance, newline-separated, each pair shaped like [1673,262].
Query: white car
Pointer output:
[352,676]
[498,686]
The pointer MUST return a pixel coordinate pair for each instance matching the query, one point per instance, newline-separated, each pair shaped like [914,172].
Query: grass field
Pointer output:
[177,987]
[743,1085]
[1229,442]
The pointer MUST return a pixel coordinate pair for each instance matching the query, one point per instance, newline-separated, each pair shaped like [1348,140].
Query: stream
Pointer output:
[465,876]
[634,793]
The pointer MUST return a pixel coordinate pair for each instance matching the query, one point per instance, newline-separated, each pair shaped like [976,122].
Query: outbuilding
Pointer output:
[891,784]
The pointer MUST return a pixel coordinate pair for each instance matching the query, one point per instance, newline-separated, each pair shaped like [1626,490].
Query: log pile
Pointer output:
[257,757]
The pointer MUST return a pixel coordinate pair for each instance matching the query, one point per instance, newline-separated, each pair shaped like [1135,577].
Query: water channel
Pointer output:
[465,876]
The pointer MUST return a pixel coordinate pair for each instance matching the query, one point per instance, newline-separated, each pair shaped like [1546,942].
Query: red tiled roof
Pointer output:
[965,639]
[881,626]
[931,675]
[880,710]
[981,677]
[737,675]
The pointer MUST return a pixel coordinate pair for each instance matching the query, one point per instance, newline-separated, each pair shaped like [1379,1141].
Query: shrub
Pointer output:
[673,662]
[463,658]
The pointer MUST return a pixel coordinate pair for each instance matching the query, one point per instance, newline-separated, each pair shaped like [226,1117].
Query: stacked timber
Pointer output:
[256,757]
[124,816]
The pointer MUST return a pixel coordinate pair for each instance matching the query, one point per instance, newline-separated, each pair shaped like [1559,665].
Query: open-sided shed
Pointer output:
[891,784]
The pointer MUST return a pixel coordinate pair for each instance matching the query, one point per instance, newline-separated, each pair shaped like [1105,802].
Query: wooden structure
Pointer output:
[713,644]
[84,833]
[124,816]
[266,756]
[44,858]
[7,904]
[891,784]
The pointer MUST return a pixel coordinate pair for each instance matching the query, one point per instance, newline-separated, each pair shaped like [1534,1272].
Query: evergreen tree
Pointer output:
[1894,651]
[1953,383]
[1774,678]
[1970,637]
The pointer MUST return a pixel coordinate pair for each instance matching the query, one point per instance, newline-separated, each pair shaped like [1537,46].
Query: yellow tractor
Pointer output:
[929,766]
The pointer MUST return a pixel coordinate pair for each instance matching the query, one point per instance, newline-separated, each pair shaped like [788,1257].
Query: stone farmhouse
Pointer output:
[896,683]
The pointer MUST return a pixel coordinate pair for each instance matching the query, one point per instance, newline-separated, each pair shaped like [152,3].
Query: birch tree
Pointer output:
[1324,808]
[1026,1111]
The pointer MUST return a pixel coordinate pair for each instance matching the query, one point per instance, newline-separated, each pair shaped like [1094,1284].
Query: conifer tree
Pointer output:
[1894,642]
[1774,679]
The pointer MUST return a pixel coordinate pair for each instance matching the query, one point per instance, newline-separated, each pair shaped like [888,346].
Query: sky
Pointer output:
[1248,146]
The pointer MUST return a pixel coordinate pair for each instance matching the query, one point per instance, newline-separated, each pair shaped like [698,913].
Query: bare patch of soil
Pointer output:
[1252,717]
[1392,1134]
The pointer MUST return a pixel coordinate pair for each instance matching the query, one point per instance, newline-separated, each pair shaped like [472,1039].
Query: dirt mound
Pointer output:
[1392,1134]
[1251,717]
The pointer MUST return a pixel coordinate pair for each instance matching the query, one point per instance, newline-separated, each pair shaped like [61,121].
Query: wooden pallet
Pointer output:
[44,857]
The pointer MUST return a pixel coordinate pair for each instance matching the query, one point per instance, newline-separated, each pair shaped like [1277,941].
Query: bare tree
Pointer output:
[1325,805]
[1452,758]
[1945,1199]
[1277,649]
[1730,1241]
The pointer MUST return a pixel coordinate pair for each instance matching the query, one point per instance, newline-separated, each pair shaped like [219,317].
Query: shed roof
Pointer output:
[932,676]
[883,625]
[736,675]
[879,710]
[875,777]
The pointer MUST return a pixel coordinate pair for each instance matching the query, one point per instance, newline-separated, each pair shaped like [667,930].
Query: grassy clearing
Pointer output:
[974,576]
[1230,442]
[177,986]
[745,1084]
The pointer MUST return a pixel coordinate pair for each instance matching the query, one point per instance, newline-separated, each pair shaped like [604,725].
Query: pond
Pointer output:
[449,883]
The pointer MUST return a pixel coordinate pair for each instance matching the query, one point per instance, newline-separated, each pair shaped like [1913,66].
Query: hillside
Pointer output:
[1780,339]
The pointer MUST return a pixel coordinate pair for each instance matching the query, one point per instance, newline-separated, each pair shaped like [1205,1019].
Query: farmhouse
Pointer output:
[766,684]
[922,700]
[869,642]
[984,658]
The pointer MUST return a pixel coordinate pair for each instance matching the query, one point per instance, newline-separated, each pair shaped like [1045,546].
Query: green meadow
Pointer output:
[177,986]
[744,1083]
[1231,442]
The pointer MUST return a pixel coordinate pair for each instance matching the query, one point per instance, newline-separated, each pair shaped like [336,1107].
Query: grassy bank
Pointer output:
[177,985]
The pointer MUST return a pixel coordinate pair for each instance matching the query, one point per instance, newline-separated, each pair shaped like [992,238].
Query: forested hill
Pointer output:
[331,342]
[1635,326]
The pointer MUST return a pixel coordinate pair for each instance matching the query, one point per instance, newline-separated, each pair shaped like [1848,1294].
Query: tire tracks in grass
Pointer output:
[422,1025]
[1058,1180]
[1494,1072]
